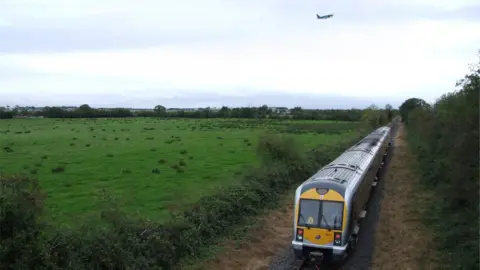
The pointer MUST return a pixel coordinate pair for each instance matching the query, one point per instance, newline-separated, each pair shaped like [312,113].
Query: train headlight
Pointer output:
[300,234]
[322,191]
[337,241]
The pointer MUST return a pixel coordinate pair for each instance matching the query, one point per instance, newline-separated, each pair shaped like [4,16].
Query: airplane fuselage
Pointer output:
[324,17]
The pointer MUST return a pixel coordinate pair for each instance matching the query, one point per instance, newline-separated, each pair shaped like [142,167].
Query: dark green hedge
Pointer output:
[445,139]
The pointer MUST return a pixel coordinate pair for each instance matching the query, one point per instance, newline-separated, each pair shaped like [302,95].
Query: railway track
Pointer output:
[309,265]
[315,263]
[306,265]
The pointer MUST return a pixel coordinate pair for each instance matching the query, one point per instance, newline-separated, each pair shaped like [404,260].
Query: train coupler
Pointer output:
[316,257]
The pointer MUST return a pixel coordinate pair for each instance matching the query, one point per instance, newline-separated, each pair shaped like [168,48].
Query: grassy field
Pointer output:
[150,164]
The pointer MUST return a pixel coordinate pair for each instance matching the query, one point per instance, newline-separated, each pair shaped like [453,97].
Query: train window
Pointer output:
[332,215]
[309,210]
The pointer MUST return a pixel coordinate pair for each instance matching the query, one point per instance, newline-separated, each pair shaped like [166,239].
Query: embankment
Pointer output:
[402,241]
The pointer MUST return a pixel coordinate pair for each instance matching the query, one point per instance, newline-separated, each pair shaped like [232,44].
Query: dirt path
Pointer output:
[401,240]
[265,241]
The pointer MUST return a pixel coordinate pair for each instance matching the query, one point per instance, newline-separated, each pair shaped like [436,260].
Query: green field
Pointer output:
[148,164]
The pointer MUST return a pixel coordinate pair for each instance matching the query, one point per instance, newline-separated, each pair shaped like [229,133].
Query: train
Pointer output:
[330,205]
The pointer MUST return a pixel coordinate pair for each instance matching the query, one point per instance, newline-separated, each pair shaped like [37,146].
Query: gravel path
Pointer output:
[362,257]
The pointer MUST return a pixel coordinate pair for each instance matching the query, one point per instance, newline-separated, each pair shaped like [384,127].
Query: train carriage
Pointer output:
[330,205]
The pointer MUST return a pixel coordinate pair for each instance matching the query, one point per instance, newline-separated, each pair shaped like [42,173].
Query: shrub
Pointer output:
[126,171]
[58,169]
[20,223]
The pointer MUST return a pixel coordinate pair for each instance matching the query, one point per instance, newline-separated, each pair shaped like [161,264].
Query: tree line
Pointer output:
[298,113]
[445,138]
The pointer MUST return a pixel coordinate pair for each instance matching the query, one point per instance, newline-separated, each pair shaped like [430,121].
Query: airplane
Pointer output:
[324,17]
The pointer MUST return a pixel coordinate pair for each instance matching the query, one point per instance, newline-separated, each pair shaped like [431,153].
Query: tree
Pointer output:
[389,111]
[160,110]
[5,114]
[297,112]
[373,117]
[224,112]
[84,107]
[263,111]
[409,105]
[85,111]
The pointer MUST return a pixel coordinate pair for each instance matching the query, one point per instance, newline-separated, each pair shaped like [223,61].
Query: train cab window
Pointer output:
[309,211]
[320,214]
[332,215]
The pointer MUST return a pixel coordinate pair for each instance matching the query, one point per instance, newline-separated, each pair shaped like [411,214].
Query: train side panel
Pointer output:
[362,194]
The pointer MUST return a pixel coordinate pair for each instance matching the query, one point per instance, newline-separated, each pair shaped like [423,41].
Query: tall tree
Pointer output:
[160,110]
[409,105]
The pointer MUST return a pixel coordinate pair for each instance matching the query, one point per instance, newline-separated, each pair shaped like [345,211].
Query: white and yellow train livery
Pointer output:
[331,203]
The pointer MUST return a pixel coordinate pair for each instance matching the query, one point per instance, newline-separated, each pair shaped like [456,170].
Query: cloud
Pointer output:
[164,50]
[53,26]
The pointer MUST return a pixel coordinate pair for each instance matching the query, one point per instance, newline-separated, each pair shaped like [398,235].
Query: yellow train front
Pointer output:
[330,205]
[316,231]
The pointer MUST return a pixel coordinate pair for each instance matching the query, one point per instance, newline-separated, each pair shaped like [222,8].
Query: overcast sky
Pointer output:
[189,53]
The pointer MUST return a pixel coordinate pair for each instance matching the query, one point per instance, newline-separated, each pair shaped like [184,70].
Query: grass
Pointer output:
[401,238]
[151,164]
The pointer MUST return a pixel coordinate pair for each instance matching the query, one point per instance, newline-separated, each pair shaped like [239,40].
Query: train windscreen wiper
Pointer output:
[304,220]
[326,223]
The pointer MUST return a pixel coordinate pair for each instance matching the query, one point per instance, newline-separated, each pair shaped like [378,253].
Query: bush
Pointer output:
[20,227]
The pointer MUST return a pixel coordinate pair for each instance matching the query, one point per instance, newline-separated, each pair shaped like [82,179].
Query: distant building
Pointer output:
[69,108]
[137,110]
[279,110]
[182,109]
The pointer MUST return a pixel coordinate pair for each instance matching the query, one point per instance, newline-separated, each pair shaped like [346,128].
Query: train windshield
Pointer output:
[320,214]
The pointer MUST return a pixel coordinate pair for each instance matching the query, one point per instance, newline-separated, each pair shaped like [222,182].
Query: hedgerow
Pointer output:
[445,139]
[120,241]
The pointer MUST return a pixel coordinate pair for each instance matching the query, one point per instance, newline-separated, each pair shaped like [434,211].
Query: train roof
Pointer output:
[350,165]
